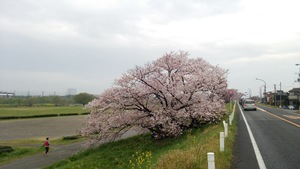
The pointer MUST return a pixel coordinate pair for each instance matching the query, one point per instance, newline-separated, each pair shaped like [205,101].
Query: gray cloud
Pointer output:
[50,45]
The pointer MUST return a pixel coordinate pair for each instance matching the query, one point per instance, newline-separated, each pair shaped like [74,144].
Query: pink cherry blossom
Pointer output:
[166,97]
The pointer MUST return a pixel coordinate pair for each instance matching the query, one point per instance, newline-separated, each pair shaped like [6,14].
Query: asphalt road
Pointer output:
[277,135]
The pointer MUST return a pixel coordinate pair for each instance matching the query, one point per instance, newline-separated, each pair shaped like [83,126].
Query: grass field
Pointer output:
[187,151]
[18,153]
[24,148]
[30,111]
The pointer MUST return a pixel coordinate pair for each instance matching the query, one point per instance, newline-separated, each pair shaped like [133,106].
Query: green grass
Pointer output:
[19,152]
[28,147]
[38,142]
[187,151]
[31,111]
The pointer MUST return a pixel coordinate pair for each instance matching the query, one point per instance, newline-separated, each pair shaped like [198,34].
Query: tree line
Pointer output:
[30,101]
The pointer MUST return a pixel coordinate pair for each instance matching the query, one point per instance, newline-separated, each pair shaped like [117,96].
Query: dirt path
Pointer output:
[53,127]
[40,128]
[56,153]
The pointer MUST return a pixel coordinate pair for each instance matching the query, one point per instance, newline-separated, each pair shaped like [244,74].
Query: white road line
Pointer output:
[259,158]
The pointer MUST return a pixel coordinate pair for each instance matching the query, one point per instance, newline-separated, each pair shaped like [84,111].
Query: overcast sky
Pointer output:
[54,45]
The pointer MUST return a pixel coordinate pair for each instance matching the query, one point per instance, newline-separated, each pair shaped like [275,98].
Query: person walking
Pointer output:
[46,145]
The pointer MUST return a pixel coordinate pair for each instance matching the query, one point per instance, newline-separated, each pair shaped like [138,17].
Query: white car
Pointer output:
[291,107]
[249,105]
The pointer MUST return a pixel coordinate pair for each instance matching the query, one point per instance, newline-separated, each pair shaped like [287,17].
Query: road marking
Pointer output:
[259,158]
[297,125]
[292,117]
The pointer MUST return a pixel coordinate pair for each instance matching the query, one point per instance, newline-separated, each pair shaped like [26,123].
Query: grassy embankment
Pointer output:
[29,112]
[24,148]
[187,151]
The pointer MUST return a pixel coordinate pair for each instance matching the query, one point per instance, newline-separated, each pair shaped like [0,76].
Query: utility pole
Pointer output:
[275,95]
[260,93]
[280,94]
[265,90]
[249,90]
[298,80]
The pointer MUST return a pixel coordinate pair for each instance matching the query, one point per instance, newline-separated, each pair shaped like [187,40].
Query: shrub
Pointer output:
[4,149]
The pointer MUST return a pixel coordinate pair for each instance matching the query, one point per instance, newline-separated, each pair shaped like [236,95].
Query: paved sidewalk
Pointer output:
[56,153]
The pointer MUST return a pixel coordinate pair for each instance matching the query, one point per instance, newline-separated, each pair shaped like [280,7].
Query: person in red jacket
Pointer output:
[46,145]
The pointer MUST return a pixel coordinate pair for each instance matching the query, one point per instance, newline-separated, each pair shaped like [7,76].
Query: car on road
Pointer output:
[291,107]
[241,101]
[249,105]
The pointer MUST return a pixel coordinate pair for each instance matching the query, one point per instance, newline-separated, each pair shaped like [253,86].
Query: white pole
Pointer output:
[226,129]
[230,104]
[230,119]
[222,141]
[211,160]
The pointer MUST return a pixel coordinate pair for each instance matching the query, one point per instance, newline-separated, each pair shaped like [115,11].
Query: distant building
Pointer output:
[294,97]
[6,94]
[280,98]
[71,92]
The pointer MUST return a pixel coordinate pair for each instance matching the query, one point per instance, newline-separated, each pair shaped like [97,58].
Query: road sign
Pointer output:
[231,93]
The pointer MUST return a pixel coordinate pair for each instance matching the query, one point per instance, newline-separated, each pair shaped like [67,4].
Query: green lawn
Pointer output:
[30,111]
[19,152]
[27,147]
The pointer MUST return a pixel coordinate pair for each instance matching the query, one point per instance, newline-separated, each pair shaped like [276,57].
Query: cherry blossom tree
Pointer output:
[167,96]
